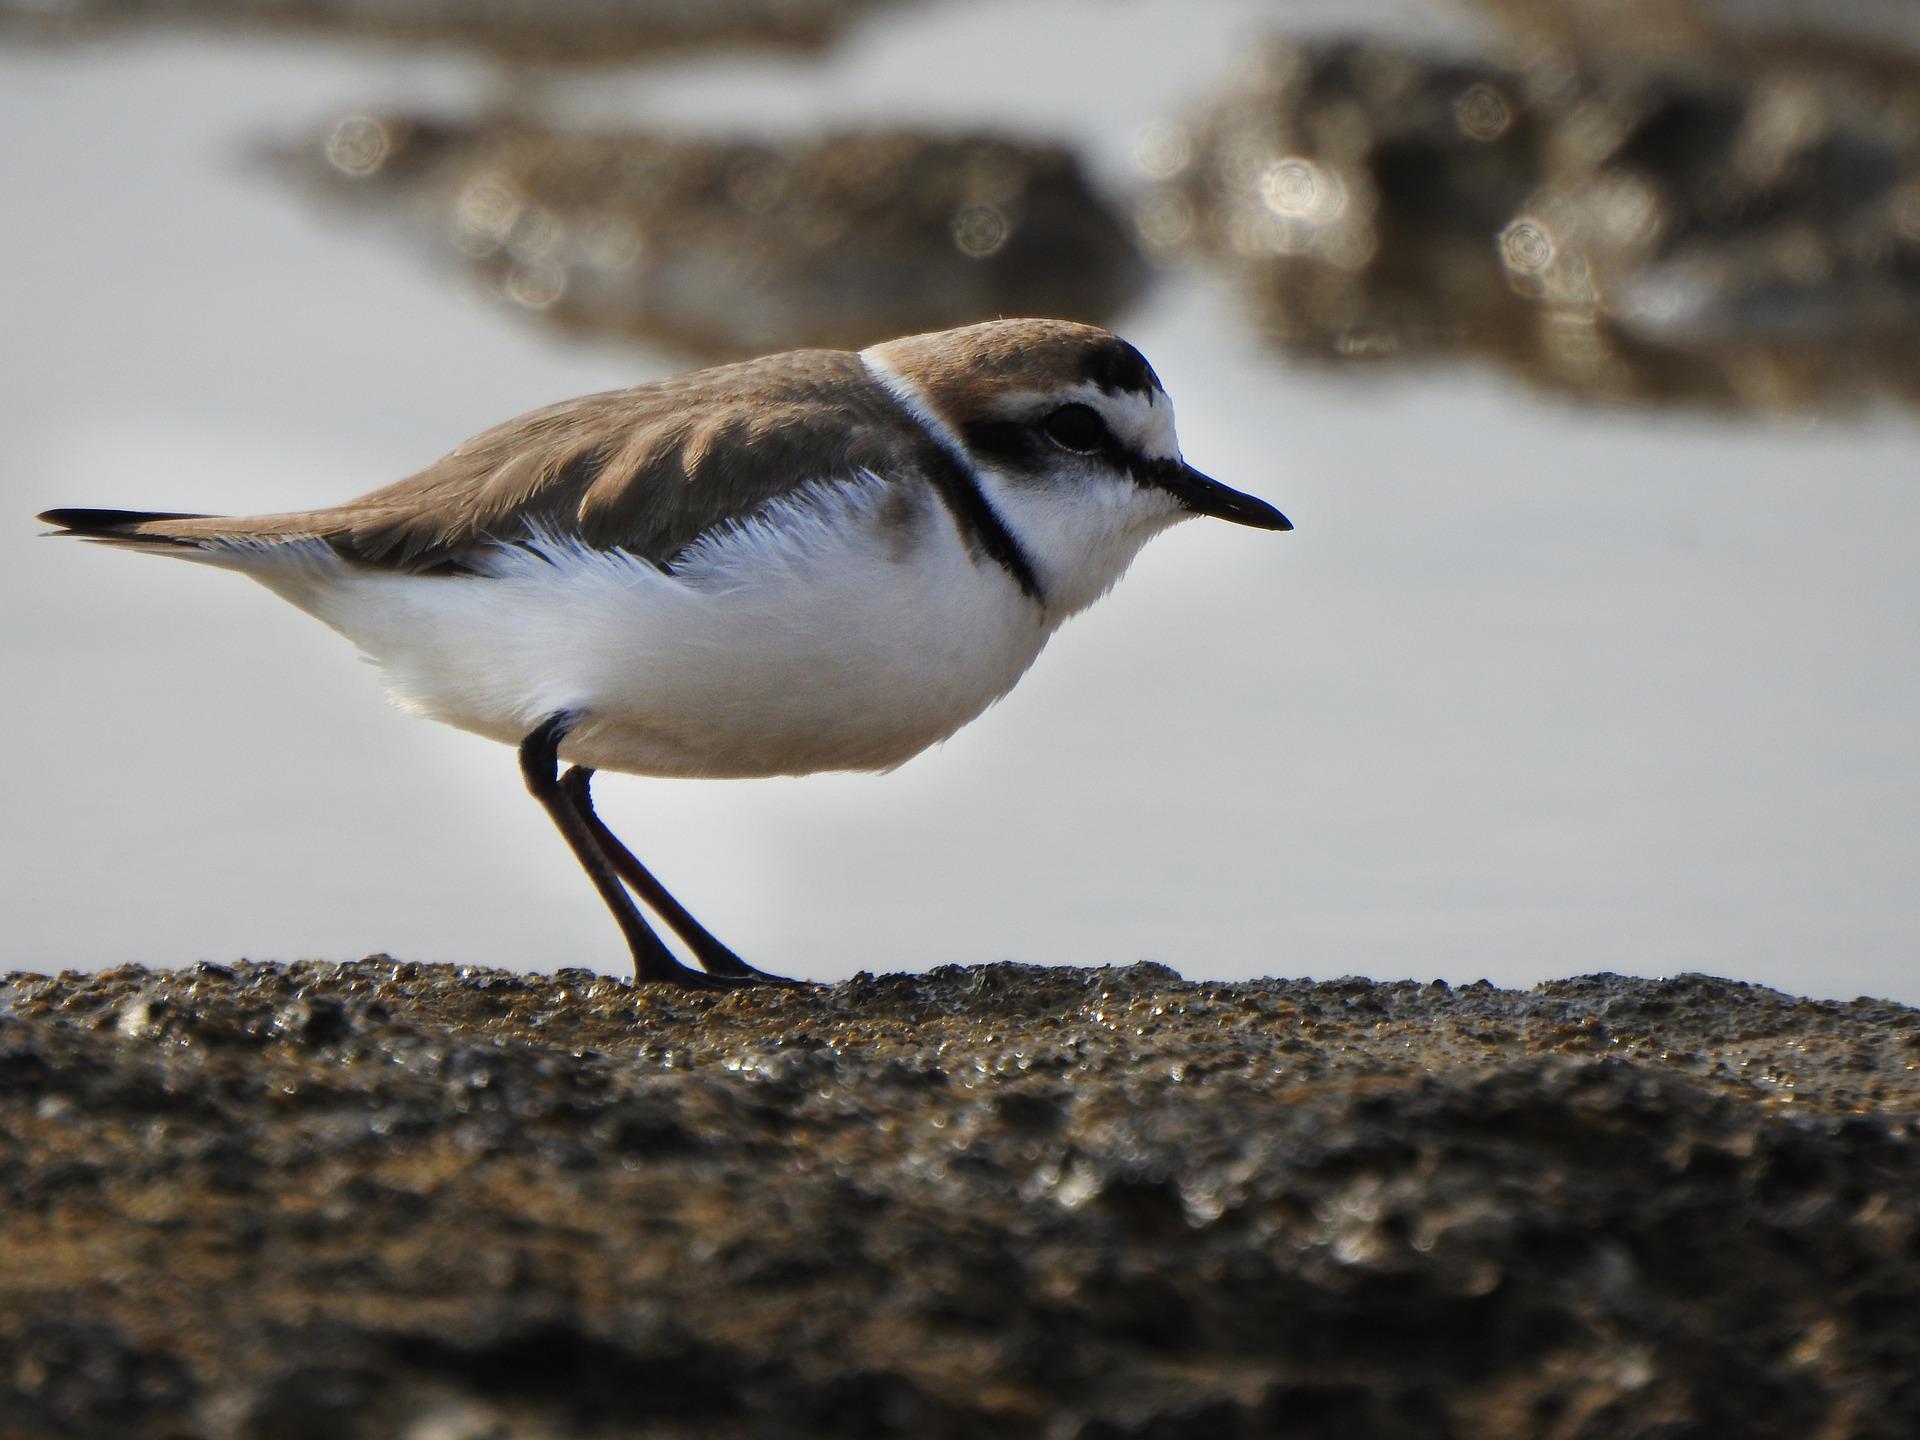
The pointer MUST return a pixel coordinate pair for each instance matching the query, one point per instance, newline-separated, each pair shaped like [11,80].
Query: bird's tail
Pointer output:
[134,529]
[234,541]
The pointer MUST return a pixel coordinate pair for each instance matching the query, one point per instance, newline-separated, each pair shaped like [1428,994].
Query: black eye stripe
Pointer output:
[1078,428]
[1024,449]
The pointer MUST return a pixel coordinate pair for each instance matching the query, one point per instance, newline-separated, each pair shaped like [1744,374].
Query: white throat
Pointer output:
[1079,536]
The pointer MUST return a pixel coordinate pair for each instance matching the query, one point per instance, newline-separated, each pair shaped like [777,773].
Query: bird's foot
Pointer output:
[684,978]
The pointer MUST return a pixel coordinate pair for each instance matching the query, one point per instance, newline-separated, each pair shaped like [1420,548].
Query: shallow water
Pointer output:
[1533,690]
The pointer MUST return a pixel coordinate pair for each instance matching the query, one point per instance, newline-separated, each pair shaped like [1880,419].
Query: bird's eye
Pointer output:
[1076,427]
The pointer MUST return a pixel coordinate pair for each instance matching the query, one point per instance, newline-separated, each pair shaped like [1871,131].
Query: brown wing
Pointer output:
[647,470]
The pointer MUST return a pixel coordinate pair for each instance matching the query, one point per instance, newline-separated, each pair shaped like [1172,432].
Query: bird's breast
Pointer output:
[844,628]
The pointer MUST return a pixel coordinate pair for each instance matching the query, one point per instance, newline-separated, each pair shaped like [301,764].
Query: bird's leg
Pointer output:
[708,950]
[540,764]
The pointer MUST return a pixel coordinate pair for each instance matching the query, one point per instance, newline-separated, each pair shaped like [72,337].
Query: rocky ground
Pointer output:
[386,1199]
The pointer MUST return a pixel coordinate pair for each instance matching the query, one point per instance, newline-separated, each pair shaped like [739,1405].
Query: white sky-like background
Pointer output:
[1532,690]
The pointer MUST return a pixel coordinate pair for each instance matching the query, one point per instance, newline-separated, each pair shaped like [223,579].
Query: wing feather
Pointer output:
[647,470]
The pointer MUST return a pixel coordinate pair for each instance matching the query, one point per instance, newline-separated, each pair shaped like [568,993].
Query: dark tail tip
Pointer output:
[105,522]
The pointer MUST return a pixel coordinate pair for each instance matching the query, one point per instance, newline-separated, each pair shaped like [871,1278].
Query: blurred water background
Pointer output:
[1577,339]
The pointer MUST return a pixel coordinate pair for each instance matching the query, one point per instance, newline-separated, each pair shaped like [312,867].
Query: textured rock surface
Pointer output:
[388,1199]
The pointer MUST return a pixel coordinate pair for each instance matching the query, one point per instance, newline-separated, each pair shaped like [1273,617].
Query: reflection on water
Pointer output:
[1748,238]
[565,31]
[729,248]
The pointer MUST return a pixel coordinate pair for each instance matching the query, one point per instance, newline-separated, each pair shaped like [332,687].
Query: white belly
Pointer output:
[848,629]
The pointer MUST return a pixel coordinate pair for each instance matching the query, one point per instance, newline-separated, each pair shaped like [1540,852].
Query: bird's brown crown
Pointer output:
[962,371]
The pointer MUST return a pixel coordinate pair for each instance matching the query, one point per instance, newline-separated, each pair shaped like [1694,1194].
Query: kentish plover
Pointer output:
[813,561]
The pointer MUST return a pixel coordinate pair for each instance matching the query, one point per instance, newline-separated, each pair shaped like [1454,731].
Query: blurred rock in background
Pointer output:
[1706,201]
[1620,231]
[564,31]
[1876,34]
[729,248]
[1355,191]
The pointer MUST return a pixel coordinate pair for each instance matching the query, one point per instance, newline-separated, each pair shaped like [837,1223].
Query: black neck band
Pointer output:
[959,490]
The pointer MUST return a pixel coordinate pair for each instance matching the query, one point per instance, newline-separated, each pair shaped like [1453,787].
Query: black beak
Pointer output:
[1209,497]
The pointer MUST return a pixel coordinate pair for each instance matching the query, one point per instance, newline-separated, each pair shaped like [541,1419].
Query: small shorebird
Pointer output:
[813,561]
